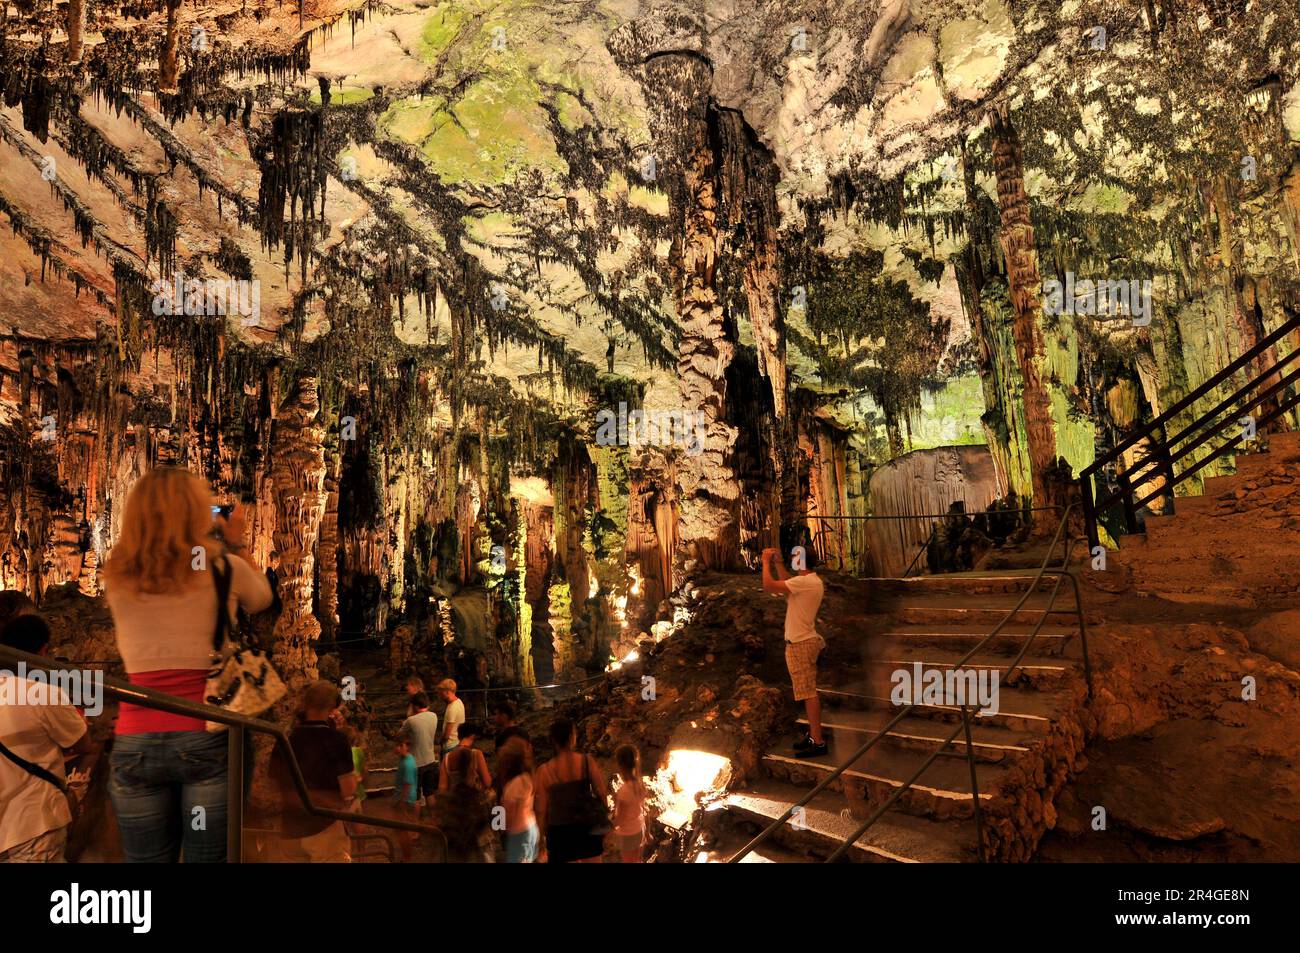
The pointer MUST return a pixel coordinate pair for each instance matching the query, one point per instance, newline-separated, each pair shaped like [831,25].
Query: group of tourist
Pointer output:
[176,557]
[549,814]
[555,813]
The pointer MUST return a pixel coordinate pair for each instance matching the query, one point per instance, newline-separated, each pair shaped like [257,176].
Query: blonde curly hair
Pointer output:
[168,517]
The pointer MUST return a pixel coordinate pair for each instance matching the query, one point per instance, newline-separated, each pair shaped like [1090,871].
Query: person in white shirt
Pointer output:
[422,730]
[36,730]
[803,591]
[453,716]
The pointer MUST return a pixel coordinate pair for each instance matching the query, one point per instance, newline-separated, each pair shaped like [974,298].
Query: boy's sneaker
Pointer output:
[804,742]
[814,750]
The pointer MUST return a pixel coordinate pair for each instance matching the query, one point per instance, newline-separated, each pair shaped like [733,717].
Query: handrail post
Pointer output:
[1089,510]
[1130,511]
[235,794]
[1165,463]
[974,784]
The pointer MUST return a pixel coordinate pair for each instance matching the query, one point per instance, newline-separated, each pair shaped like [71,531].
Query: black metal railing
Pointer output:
[237,726]
[1157,473]
[821,539]
[1062,572]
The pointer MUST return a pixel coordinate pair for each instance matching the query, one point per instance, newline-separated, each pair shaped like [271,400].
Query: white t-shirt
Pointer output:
[801,607]
[423,730]
[29,807]
[453,718]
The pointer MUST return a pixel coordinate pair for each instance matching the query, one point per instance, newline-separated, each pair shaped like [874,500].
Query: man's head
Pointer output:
[26,633]
[414,685]
[420,701]
[503,713]
[447,689]
[319,701]
[13,604]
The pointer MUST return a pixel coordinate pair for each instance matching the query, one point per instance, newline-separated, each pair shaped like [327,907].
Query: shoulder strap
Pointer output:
[221,575]
[35,770]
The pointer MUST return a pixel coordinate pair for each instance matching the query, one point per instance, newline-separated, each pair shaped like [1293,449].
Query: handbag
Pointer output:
[242,679]
[577,803]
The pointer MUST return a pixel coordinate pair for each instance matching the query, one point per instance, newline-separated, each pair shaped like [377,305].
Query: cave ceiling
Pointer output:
[499,159]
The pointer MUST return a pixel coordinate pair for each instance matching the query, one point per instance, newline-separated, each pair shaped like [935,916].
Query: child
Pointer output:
[629,805]
[407,794]
[515,793]
[358,761]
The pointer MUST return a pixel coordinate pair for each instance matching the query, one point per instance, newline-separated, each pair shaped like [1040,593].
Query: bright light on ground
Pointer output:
[688,778]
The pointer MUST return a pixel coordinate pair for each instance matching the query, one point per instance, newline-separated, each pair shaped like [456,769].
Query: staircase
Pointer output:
[1237,544]
[1023,754]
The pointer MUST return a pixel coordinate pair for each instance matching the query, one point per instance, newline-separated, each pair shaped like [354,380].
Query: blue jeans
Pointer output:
[169,794]
[521,848]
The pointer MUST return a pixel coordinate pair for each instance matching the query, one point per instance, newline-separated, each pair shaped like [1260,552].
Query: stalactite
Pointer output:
[169,55]
[76,26]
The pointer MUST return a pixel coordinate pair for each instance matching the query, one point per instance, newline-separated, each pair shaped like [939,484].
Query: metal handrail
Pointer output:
[882,733]
[970,514]
[1115,452]
[1160,458]
[924,547]
[238,724]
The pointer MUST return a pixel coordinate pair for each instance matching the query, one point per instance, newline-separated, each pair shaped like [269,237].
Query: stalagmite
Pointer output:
[709,489]
[1020,251]
[296,486]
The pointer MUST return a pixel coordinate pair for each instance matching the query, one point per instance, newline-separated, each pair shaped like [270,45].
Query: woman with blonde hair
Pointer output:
[161,583]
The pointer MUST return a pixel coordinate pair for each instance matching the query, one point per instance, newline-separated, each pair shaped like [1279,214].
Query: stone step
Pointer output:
[1178,531]
[1050,640]
[1253,465]
[942,791]
[1036,669]
[1019,708]
[1284,444]
[1216,486]
[987,615]
[1190,506]
[961,583]
[990,743]
[827,821]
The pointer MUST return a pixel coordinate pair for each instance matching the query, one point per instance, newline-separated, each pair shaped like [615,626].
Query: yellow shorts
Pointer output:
[801,659]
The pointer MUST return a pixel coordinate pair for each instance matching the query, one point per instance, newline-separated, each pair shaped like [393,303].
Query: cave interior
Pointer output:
[520,330]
